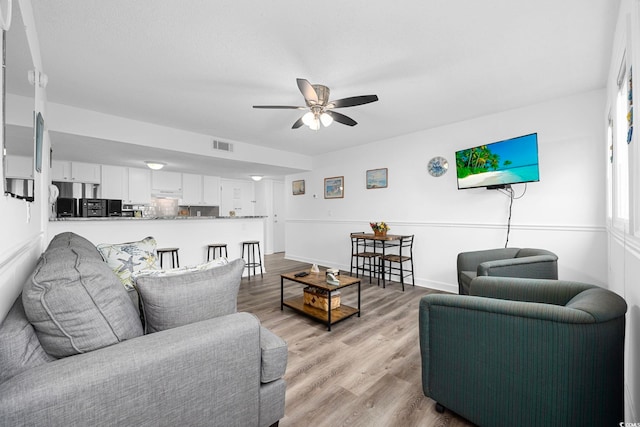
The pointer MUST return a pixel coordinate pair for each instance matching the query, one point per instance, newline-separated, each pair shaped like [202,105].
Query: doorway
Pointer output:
[278,216]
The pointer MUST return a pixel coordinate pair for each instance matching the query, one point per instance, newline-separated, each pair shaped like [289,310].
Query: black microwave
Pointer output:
[66,207]
[93,208]
[114,207]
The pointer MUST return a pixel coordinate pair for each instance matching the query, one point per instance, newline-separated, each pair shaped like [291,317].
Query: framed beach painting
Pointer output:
[377,178]
[334,187]
[298,187]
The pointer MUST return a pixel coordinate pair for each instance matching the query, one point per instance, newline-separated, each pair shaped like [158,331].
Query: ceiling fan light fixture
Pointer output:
[315,125]
[156,166]
[308,118]
[326,119]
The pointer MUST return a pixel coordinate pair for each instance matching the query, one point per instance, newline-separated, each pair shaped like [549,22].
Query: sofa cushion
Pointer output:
[76,304]
[466,277]
[127,258]
[218,262]
[274,356]
[69,239]
[173,300]
[20,349]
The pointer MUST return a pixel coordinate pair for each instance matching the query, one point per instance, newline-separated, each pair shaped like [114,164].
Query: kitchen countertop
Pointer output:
[129,218]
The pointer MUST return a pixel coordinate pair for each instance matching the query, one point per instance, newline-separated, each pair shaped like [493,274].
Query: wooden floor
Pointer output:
[365,372]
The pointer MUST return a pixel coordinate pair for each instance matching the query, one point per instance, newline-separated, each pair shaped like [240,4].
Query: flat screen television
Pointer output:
[499,164]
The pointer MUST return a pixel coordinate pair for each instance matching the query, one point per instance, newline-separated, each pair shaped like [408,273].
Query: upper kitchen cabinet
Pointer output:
[19,167]
[163,182]
[199,190]
[139,186]
[75,172]
[114,183]
[192,189]
[211,190]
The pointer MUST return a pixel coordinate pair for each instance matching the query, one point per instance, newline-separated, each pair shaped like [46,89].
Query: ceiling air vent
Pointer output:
[222,146]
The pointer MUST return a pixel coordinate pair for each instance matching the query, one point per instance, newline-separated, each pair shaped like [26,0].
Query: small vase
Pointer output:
[380,232]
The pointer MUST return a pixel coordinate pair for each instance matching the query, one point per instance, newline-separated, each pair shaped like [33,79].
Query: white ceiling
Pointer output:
[201,65]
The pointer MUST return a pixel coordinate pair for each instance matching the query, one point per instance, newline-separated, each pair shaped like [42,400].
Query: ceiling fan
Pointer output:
[320,108]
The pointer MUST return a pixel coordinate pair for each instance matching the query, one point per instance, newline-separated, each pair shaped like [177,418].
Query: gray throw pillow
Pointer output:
[69,239]
[180,299]
[77,304]
[20,349]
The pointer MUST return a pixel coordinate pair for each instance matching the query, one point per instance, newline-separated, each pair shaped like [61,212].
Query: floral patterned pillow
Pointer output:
[127,258]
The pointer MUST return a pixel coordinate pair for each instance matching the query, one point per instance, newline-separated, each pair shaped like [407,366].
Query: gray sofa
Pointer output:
[72,353]
[528,263]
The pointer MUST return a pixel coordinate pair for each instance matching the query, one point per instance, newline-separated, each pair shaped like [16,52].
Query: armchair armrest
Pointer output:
[468,261]
[539,266]
[558,292]
[180,376]
[274,356]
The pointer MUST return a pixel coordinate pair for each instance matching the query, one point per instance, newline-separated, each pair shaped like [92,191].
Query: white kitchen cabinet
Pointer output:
[163,181]
[60,171]
[199,190]
[211,190]
[19,167]
[139,186]
[114,182]
[85,172]
[75,172]
[191,189]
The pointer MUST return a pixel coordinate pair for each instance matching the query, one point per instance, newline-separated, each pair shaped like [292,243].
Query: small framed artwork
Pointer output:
[298,187]
[334,187]
[377,178]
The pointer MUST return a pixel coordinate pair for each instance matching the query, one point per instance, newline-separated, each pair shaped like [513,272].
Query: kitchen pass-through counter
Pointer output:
[190,234]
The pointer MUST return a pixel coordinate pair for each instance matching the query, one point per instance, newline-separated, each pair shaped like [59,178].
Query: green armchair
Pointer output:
[505,262]
[525,352]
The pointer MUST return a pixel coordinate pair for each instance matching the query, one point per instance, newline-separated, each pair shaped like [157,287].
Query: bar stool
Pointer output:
[175,263]
[251,262]
[216,247]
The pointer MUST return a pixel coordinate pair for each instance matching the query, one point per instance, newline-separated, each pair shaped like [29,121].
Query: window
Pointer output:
[621,153]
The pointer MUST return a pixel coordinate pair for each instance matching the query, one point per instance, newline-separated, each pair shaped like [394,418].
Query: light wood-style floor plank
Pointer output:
[365,372]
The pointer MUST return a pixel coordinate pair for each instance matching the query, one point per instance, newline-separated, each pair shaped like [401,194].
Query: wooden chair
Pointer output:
[405,254]
[360,248]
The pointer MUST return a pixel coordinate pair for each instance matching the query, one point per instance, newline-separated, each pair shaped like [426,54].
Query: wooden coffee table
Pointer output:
[319,281]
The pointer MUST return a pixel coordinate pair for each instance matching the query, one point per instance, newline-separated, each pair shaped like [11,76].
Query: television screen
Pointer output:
[499,164]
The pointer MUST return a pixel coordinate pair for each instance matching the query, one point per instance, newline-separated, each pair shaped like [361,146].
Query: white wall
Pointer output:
[623,243]
[563,212]
[22,224]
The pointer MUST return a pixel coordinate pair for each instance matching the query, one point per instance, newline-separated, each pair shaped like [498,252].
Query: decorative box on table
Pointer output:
[318,298]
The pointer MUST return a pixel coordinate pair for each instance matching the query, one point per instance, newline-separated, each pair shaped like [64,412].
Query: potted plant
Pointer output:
[379,228]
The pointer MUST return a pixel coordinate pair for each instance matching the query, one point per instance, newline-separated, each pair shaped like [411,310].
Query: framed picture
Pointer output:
[377,178]
[298,187]
[334,187]
[39,131]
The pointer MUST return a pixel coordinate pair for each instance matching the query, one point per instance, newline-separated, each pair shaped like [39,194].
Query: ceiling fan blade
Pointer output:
[297,124]
[341,118]
[287,107]
[307,91]
[353,101]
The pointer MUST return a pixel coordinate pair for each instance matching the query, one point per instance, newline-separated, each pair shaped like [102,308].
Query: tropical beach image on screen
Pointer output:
[500,163]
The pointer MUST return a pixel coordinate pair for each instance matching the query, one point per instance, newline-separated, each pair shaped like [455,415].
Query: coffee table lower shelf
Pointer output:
[337,314]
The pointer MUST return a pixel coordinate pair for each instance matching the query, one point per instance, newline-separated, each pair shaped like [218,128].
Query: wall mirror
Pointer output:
[19,120]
